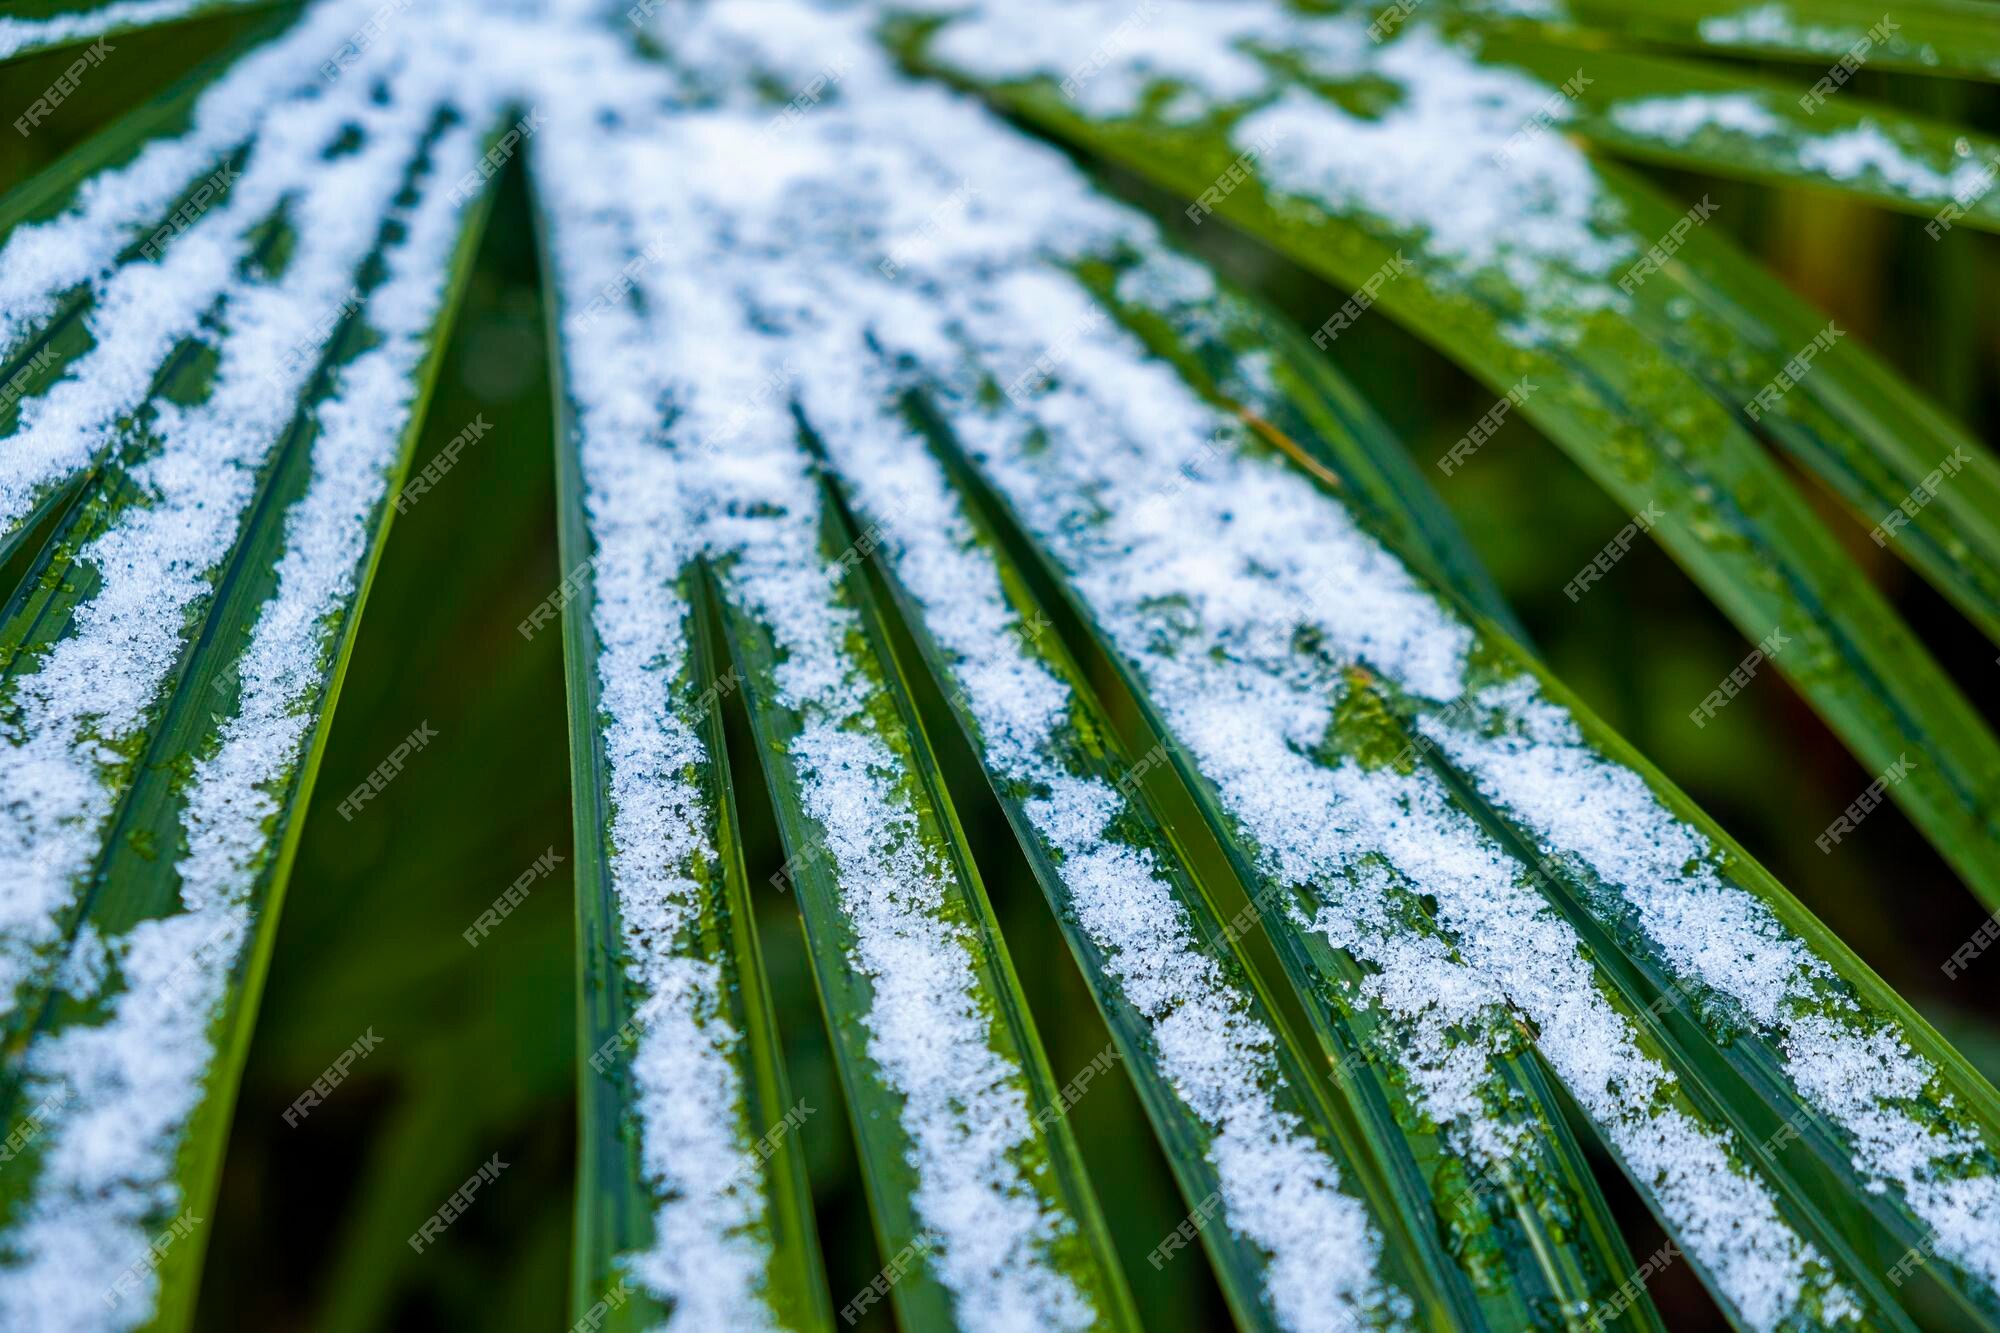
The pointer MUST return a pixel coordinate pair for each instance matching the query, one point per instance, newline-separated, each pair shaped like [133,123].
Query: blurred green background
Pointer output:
[477,1045]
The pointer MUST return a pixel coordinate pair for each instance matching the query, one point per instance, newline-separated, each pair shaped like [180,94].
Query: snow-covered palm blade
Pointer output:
[238,401]
[1640,949]
[1861,430]
[970,1167]
[1250,1140]
[1245,358]
[693,478]
[117,200]
[1159,940]
[1711,117]
[705,1210]
[1879,1134]
[41,25]
[1511,254]
[843,925]
[1226,1085]
[1954,38]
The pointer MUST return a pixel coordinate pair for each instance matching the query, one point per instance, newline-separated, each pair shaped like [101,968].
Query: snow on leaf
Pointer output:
[197,467]
[1213,628]
[1855,1068]
[22,36]
[727,481]
[727,274]
[128,1084]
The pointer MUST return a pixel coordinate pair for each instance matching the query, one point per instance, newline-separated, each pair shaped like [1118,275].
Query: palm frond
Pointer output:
[46,25]
[213,452]
[1953,38]
[908,478]
[672,995]
[1443,1169]
[1544,303]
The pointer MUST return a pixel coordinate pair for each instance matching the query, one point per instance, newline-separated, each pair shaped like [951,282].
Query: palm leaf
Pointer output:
[1172,1088]
[933,1042]
[1495,1218]
[900,463]
[144,932]
[1710,117]
[1539,307]
[1942,37]
[1855,425]
[44,25]
[1499,928]
[48,295]
[632,1021]
[894,1104]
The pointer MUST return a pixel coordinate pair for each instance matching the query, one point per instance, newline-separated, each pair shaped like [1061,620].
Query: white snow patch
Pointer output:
[1867,156]
[142,310]
[41,260]
[1680,118]
[1772,25]
[1502,186]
